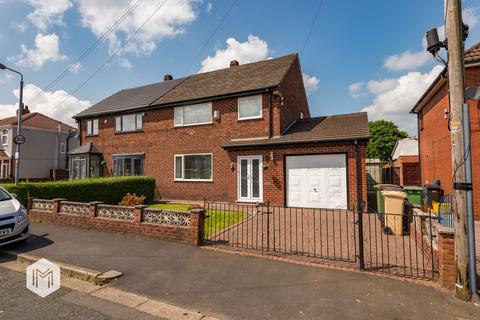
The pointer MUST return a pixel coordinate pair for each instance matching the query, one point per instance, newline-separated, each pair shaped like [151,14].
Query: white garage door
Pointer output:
[317,181]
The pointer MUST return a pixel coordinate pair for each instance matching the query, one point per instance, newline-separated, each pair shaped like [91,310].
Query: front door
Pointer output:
[250,176]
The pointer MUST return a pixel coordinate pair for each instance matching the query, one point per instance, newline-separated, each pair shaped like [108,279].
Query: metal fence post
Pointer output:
[268,225]
[360,206]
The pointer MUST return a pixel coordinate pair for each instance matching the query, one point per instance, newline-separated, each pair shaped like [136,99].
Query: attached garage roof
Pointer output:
[344,127]
[87,148]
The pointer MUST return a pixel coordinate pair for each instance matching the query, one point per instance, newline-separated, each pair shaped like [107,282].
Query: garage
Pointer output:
[317,181]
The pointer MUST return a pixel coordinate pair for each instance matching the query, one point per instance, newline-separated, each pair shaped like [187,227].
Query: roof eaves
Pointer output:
[289,142]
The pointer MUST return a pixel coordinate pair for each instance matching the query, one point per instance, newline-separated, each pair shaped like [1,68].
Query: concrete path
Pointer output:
[229,286]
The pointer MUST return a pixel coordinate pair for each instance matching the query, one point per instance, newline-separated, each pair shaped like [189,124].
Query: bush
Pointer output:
[131,200]
[107,190]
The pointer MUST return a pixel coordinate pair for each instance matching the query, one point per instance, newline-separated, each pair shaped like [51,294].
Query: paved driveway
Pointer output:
[237,287]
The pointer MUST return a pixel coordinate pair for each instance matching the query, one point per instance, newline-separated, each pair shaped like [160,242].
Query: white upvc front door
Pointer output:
[250,178]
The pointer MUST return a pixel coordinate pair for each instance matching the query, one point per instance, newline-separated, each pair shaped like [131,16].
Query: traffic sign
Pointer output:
[19,139]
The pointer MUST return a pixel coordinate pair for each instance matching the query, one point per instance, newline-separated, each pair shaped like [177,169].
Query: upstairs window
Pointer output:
[92,127]
[129,122]
[4,137]
[62,147]
[193,115]
[250,107]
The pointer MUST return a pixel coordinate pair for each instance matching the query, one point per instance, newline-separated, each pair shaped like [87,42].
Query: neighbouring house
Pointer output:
[404,166]
[432,111]
[239,134]
[45,150]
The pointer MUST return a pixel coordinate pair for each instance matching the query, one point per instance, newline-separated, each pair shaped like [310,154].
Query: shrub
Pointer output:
[107,190]
[131,200]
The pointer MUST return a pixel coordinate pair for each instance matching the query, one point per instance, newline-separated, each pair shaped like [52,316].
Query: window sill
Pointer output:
[91,135]
[193,125]
[125,132]
[251,118]
[192,180]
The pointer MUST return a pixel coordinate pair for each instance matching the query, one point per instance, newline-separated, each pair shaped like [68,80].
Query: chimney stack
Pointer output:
[25,110]
[234,63]
[167,77]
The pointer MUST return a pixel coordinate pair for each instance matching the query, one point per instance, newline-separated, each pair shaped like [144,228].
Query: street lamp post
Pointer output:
[19,122]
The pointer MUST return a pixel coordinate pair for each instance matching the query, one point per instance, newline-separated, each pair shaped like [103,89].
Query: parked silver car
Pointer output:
[14,222]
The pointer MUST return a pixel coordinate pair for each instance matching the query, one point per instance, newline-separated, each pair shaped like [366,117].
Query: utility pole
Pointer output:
[454,33]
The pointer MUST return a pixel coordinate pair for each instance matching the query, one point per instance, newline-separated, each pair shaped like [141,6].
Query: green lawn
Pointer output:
[171,206]
[215,220]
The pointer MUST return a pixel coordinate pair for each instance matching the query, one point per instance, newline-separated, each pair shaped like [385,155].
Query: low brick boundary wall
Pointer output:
[441,245]
[183,227]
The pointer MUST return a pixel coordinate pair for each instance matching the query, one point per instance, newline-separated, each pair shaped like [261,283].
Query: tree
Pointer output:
[383,134]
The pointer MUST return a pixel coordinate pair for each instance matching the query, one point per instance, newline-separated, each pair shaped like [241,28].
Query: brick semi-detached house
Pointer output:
[432,111]
[240,134]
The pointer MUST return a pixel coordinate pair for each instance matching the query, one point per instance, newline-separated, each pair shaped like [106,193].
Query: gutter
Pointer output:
[280,143]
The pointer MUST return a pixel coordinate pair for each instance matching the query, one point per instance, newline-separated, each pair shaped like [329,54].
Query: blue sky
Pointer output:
[361,55]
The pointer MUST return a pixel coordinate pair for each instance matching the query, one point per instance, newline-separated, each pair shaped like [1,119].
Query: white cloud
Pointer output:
[168,22]
[394,98]
[254,49]
[20,26]
[209,7]
[46,49]
[75,67]
[357,90]
[407,60]
[379,87]
[311,83]
[59,105]
[47,12]
[470,17]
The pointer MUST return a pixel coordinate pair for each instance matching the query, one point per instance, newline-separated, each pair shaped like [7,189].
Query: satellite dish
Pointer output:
[473,93]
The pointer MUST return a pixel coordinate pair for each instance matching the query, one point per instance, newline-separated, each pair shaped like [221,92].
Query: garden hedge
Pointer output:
[107,190]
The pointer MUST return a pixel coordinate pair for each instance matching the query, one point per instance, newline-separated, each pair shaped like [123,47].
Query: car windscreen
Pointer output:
[4,195]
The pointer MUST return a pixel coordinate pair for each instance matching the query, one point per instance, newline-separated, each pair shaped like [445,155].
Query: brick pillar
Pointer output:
[92,208]
[138,214]
[30,203]
[56,204]
[446,258]
[196,226]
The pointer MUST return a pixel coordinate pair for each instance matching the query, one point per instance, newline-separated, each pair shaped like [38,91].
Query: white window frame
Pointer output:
[258,96]
[131,158]
[62,147]
[5,135]
[250,199]
[120,118]
[183,167]
[90,130]
[5,170]
[182,108]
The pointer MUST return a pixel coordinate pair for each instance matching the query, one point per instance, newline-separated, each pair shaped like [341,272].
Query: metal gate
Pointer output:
[397,244]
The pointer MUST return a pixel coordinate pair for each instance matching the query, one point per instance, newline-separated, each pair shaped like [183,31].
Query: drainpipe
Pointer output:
[270,114]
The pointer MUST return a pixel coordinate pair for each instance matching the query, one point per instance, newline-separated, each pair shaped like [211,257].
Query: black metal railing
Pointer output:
[399,244]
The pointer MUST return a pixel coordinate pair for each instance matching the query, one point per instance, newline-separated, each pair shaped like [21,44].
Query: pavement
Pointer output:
[16,302]
[229,286]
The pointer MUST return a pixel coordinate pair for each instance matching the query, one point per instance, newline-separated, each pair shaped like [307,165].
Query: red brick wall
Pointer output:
[294,97]
[274,179]
[408,160]
[189,235]
[446,260]
[435,142]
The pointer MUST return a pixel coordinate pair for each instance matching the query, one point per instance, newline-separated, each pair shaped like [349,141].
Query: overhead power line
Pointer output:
[114,53]
[211,35]
[311,26]
[88,51]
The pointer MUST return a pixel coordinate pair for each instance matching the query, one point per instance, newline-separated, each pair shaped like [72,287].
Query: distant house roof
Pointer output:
[472,56]
[344,127]
[37,120]
[233,80]
[89,147]
[405,147]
